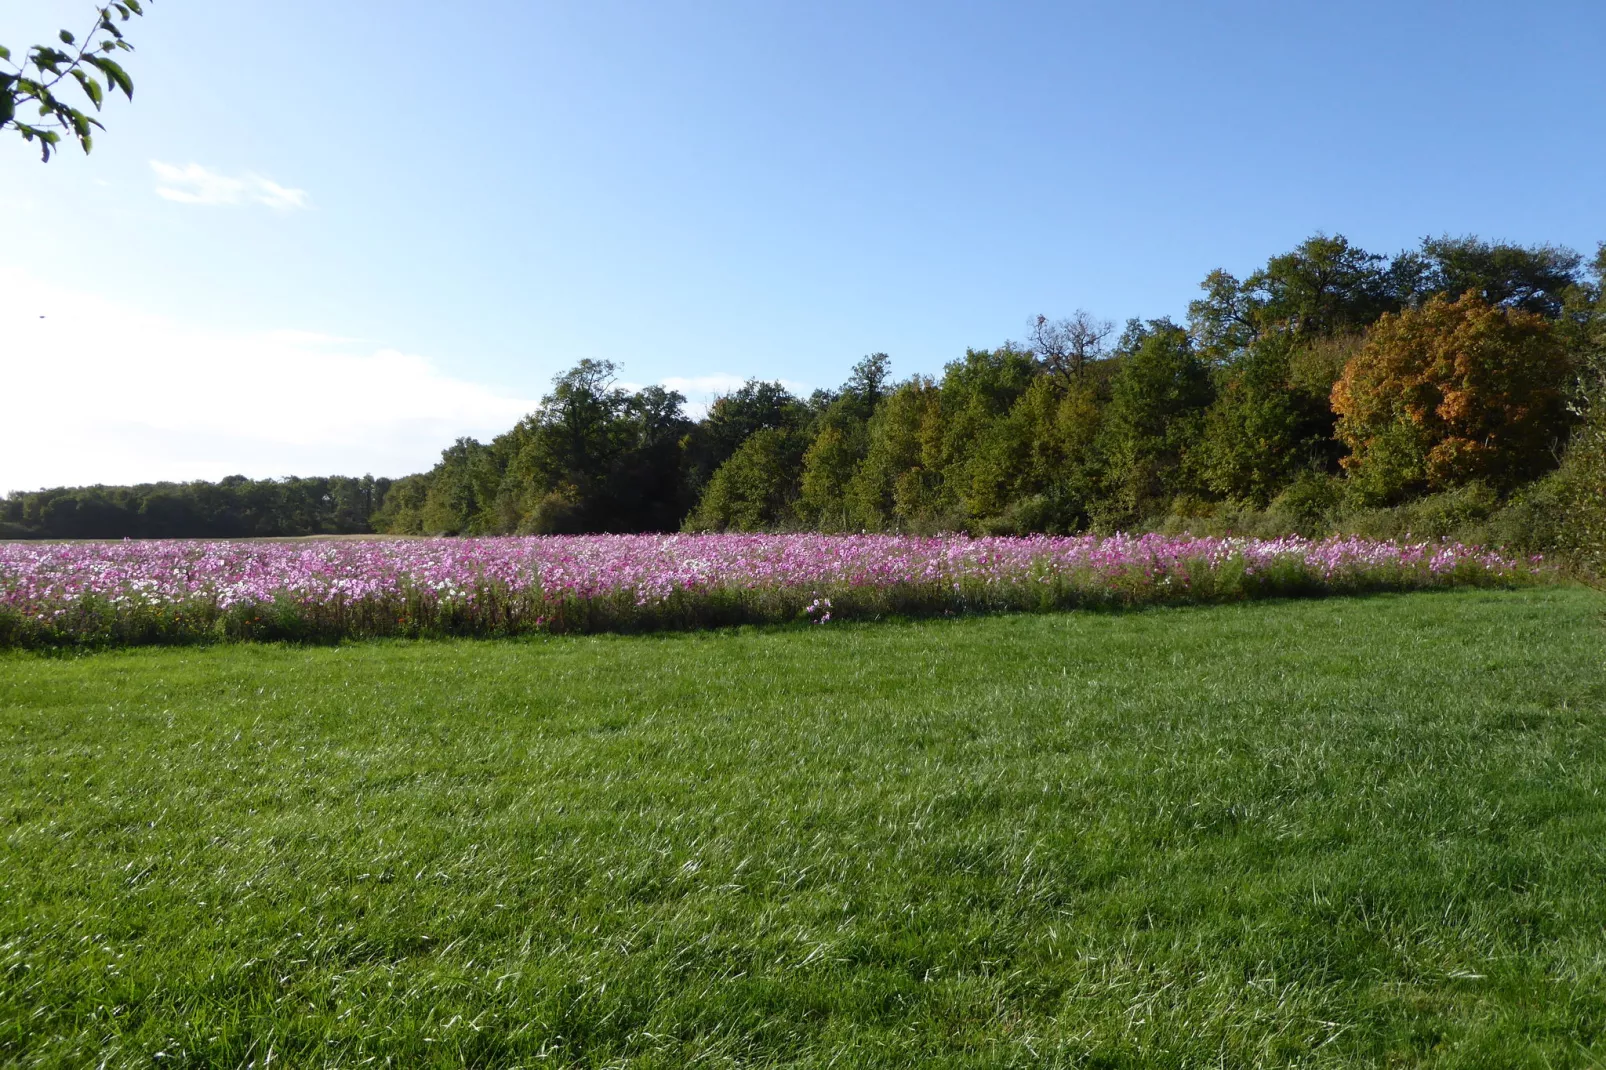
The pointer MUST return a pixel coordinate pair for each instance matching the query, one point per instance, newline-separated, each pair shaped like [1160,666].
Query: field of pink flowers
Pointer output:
[142,592]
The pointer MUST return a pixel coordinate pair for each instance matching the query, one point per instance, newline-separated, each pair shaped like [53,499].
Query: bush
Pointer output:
[1307,506]
[1580,488]
[1454,514]
[1531,522]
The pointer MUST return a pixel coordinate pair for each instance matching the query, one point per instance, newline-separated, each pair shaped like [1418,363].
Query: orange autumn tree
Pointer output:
[1450,392]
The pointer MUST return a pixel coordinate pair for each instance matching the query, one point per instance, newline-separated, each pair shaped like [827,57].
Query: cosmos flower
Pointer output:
[529,579]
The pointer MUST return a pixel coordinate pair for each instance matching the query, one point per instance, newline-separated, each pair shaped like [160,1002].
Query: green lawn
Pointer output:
[1341,832]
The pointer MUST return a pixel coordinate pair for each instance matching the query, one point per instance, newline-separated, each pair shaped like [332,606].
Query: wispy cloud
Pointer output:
[194,184]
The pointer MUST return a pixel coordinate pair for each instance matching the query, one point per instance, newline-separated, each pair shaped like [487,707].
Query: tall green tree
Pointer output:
[462,491]
[1152,427]
[754,406]
[569,451]
[1263,430]
[1582,324]
[1324,286]
[598,458]
[840,440]
[401,507]
[1531,278]
[900,485]
[1038,467]
[867,382]
[649,483]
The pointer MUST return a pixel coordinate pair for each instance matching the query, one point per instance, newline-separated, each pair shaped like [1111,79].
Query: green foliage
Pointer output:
[841,440]
[757,489]
[1579,491]
[962,442]
[1154,423]
[1232,425]
[1037,468]
[401,509]
[30,91]
[900,485]
[462,491]
[753,407]
[1582,328]
[1582,479]
[1328,287]
[1325,286]
[1306,506]
[986,382]
[234,507]
[1531,278]
[593,458]
[1350,832]
[1226,428]
[867,384]
[1460,512]
[1262,430]
[574,442]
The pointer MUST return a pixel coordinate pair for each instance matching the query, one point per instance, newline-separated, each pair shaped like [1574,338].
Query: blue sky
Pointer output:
[333,236]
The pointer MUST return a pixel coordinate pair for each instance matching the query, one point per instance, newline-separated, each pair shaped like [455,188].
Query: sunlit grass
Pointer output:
[1342,832]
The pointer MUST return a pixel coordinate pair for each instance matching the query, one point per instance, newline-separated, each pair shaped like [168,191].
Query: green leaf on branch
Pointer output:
[34,79]
[48,59]
[114,73]
[47,139]
[91,87]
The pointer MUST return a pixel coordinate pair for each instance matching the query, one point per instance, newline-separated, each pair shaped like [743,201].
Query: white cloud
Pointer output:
[306,338]
[100,393]
[194,184]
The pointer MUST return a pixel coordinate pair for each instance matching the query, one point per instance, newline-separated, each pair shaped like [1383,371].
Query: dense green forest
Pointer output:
[1443,390]
[234,507]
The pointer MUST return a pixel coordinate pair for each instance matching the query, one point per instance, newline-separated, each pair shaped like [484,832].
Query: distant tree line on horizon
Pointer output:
[232,508]
[1444,388]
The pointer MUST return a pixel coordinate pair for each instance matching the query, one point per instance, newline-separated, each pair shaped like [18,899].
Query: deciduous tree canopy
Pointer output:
[1446,383]
[1451,392]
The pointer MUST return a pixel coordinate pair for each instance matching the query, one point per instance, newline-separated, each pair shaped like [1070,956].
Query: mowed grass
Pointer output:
[1340,832]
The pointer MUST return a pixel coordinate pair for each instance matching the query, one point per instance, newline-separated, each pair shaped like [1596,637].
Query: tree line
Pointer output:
[1331,386]
[234,507]
[1330,389]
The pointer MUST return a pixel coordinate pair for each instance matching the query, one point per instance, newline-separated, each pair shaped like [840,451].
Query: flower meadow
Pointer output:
[174,591]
